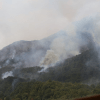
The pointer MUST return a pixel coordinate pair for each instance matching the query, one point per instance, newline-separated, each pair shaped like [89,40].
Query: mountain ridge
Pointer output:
[23,52]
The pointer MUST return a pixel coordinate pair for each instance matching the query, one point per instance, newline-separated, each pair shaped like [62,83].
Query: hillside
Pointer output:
[26,53]
[83,68]
[70,75]
[21,61]
[18,89]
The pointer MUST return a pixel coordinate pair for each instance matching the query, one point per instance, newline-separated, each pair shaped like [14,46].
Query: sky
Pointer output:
[37,19]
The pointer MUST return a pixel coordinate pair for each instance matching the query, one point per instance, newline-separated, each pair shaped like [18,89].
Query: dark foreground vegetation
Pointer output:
[49,90]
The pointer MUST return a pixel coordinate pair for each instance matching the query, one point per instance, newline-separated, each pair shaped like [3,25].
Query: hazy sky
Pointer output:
[36,19]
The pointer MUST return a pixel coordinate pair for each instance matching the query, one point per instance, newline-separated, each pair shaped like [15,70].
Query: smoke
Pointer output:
[28,20]
[13,55]
[23,53]
[91,81]
[15,81]
[6,74]
[80,36]
[34,19]
[50,58]
[59,51]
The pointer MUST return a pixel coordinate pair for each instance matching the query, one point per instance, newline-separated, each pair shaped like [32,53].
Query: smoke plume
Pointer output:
[80,36]
[6,74]
[35,19]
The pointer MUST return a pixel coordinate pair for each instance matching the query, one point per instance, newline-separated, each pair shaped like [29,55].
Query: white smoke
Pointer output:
[7,62]
[36,19]
[13,54]
[50,58]
[60,49]
[81,35]
[6,74]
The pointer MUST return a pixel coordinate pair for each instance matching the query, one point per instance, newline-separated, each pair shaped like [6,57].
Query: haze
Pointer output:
[37,19]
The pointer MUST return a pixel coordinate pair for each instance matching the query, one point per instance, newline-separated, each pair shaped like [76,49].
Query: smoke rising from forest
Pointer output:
[34,19]
[80,36]
[6,74]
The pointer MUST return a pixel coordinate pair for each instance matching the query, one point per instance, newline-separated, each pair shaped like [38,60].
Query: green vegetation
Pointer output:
[80,68]
[62,82]
[5,69]
[49,90]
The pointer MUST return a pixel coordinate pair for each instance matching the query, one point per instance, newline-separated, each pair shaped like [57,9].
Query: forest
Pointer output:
[49,90]
[76,77]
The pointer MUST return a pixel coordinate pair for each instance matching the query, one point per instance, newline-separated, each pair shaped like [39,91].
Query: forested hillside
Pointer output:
[80,68]
[27,53]
[75,77]
[49,90]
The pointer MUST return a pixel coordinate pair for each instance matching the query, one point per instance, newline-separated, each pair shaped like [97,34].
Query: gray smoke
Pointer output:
[23,53]
[59,51]
[91,81]
[6,74]
[80,36]
[21,19]
[13,54]
[15,81]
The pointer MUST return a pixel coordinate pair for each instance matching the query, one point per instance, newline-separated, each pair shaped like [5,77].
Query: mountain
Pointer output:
[82,68]
[23,54]
[22,58]
[26,53]
[75,77]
